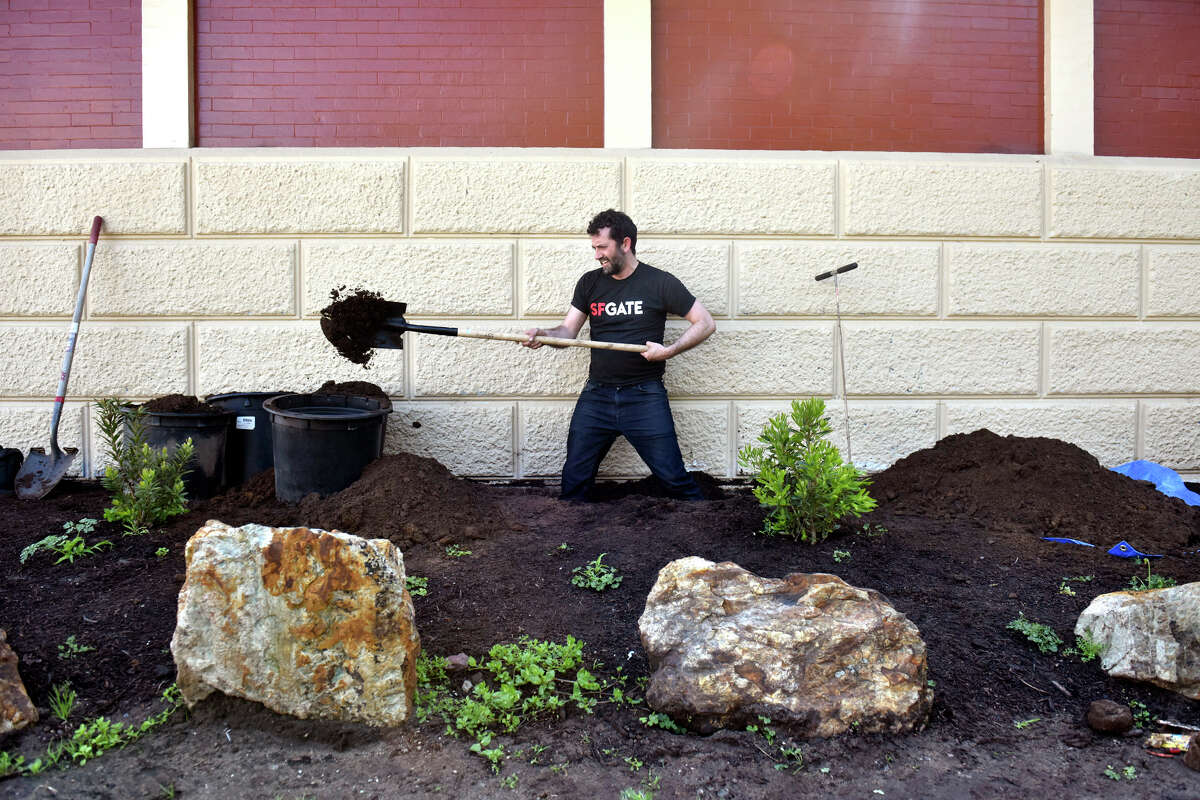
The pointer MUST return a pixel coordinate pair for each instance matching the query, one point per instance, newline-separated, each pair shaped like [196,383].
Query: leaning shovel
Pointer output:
[42,471]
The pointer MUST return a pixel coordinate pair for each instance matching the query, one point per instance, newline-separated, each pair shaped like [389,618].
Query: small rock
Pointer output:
[458,661]
[1105,716]
[1191,758]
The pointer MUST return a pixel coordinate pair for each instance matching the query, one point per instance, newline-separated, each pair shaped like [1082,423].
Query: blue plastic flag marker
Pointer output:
[1065,540]
[1124,549]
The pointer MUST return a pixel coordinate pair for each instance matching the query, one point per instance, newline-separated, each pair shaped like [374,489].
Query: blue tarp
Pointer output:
[1165,479]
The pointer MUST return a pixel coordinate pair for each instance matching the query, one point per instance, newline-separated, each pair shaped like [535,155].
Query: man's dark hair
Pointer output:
[619,226]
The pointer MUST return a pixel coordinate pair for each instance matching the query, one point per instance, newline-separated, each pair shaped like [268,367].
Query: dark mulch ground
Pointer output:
[962,556]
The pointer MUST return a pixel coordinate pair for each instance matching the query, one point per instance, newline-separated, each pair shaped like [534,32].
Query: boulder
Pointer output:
[307,622]
[16,711]
[815,654]
[1151,636]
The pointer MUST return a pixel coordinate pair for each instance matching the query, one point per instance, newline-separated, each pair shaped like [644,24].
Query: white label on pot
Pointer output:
[245,423]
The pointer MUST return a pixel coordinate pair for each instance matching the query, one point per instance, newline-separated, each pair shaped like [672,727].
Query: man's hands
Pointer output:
[530,342]
[656,352]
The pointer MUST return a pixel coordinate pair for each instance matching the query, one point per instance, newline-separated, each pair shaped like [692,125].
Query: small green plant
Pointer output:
[656,719]
[68,546]
[596,575]
[509,781]
[62,701]
[562,549]
[872,531]
[1128,772]
[162,552]
[71,648]
[793,759]
[767,732]
[632,793]
[416,585]
[454,551]
[1087,648]
[1065,588]
[1141,714]
[147,484]
[1025,723]
[1037,632]
[841,555]
[800,476]
[1152,580]
[634,763]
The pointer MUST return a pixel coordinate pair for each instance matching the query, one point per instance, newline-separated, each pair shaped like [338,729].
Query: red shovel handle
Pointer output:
[96,223]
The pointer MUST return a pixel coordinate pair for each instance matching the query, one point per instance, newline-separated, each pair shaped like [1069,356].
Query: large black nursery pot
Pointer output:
[10,465]
[208,431]
[249,446]
[322,442]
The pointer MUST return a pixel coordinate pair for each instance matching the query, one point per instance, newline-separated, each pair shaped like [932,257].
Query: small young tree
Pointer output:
[800,475]
[147,484]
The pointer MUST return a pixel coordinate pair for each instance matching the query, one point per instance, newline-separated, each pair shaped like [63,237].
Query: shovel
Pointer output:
[42,471]
[390,334]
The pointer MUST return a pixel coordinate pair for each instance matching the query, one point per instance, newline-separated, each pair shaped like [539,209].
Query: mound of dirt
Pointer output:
[407,499]
[180,404]
[351,389]
[1045,487]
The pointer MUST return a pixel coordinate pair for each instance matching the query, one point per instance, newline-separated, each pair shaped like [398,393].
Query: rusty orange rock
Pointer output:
[16,711]
[308,622]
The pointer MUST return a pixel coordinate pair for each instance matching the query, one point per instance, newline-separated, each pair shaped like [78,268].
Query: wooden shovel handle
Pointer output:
[552,340]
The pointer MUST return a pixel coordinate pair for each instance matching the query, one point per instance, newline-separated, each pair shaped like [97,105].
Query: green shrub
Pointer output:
[801,477]
[147,484]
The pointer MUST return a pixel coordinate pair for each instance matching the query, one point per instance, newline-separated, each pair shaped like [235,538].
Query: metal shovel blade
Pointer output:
[42,471]
[390,334]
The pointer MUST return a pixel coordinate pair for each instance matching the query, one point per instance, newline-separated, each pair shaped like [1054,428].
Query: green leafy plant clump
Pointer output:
[522,681]
[91,740]
[147,484]
[596,575]
[800,475]
[1039,633]
[68,546]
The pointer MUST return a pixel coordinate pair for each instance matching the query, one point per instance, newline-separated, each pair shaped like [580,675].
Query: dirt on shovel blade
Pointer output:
[351,321]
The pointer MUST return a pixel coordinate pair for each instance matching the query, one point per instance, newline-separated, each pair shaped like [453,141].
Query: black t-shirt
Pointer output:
[633,311]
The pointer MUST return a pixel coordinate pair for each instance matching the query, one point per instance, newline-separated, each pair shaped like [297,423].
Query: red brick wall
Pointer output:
[70,74]
[848,75]
[1148,78]
[400,73]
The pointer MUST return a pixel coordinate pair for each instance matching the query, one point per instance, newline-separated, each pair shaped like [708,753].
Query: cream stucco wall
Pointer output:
[1034,295]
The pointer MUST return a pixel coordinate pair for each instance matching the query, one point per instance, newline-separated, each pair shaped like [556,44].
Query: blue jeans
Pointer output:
[642,415]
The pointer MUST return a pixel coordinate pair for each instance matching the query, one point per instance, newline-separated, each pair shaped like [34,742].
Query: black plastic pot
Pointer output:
[10,464]
[249,446]
[322,442]
[208,433]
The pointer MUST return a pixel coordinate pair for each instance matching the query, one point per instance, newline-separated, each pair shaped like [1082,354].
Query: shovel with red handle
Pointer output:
[42,471]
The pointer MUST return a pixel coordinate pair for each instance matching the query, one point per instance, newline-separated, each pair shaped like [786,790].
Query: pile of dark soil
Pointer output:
[351,389]
[351,321]
[960,578]
[1043,487]
[180,404]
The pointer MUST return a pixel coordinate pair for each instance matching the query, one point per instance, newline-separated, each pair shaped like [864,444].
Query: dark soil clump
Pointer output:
[351,389]
[351,321]
[180,404]
[1038,486]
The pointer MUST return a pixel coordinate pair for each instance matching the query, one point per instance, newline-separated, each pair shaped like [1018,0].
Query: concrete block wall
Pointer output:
[1033,295]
